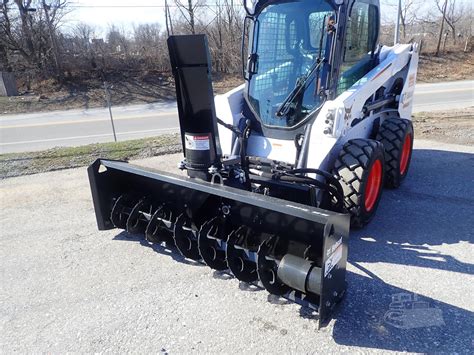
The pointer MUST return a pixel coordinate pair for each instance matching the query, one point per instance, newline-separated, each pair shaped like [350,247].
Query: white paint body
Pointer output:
[399,61]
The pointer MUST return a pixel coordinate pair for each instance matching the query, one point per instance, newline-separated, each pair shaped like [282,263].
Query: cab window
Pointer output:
[360,40]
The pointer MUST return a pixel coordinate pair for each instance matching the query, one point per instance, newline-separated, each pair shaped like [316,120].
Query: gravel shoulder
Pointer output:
[67,287]
[454,126]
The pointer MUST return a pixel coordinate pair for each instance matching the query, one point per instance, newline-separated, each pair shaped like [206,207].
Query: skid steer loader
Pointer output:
[278,169]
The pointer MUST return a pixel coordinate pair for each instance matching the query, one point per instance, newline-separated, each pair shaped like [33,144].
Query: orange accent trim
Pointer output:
[381,72]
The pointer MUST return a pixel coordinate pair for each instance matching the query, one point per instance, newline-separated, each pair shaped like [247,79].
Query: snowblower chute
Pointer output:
[267,228]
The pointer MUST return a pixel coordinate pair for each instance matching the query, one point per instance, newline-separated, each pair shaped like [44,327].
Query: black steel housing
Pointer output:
[324,232]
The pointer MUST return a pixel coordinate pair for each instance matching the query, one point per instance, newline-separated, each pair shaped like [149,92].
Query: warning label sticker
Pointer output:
[196,142]
[333,260]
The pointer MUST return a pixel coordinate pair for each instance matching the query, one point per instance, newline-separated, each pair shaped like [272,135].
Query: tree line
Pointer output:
[438,25]
[35,41]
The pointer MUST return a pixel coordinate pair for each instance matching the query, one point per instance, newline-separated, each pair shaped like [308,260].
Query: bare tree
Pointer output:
[29,28]
[53,12]
[83,36]
[225,34]
[408,15]
[188,12]
[117,40]
[34,45]
[84,33]
[16,30]
[452,15]
[441,27]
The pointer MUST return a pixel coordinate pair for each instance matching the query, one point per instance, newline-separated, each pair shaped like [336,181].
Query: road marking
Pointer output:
[444,91]
[447,104]
[58,123]
[172,129]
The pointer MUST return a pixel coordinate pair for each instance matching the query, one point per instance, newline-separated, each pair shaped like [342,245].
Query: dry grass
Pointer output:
[447,67]
[84,91]
[16,164]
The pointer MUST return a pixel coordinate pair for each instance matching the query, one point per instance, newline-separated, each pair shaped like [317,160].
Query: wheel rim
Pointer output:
[373,185]
[405,154]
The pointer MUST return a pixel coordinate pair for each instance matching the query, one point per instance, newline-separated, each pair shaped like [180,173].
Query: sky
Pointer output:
[123,13]
[103,13]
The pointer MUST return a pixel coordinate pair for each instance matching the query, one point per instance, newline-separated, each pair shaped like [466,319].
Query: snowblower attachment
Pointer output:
[294,250]
[218,214]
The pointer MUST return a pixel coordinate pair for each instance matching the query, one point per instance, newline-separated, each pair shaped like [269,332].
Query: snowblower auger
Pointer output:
[295,250]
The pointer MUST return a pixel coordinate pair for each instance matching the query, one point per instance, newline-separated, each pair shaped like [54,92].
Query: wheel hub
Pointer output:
[373,185]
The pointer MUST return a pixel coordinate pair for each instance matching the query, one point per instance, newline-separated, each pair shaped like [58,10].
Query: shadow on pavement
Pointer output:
[414,225]
[368,318]
[433,207]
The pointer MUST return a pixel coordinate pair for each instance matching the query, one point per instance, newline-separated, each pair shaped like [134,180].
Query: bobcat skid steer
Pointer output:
[280,168]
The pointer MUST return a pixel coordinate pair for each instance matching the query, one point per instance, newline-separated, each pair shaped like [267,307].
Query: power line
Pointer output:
[141,6]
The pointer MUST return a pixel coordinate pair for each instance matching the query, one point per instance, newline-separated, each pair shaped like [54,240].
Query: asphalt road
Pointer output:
[29,132]
[444,96]
[66,287]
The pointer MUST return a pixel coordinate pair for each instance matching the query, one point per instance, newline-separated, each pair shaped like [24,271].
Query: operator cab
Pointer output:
[297,59]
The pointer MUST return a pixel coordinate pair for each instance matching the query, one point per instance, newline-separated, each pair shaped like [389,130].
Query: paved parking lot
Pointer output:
[67,287]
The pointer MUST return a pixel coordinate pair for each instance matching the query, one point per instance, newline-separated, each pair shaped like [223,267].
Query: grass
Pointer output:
[16,164]
[83,91]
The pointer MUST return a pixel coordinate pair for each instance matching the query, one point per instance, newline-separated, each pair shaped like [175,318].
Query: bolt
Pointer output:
[225,210]
[334,293]
[327,130]
[329,276]
[328,304]
[213,170]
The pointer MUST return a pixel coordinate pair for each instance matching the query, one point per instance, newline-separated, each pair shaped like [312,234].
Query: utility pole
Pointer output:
[169,23]
[166,18]
[397,24]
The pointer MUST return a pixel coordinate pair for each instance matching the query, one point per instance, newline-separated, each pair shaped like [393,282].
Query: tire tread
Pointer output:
[391,135]
[353,160]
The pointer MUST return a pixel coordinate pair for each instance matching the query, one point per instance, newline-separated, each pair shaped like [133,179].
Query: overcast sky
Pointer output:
[103,13]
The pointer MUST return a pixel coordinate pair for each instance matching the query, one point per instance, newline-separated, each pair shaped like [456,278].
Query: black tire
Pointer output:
[356,160]
[395,134]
